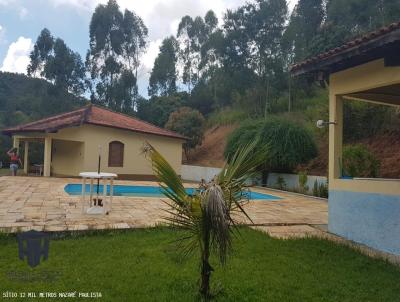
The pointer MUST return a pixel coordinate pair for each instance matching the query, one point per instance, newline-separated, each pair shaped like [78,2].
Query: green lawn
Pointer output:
[142,265]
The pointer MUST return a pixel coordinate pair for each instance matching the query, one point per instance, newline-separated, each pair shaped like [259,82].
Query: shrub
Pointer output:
[247,132]
[288,143]
[188,122]
[323,190]
[303,182]
[320,189]
[280,183]
[358,161]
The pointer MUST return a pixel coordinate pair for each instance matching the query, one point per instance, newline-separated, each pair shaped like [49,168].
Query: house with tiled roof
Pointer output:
[72,142]
[366,69]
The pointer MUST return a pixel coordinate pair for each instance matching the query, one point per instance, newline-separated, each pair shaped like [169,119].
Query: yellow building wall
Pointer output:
[363,77]
[67,157]
[70,161]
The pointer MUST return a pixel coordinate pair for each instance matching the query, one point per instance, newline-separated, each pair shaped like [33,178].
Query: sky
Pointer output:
[22,20]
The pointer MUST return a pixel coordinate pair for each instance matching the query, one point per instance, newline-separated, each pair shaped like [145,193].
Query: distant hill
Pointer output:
[24,99]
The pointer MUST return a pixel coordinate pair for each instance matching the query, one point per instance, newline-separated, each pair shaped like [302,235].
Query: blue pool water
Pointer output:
[147,191]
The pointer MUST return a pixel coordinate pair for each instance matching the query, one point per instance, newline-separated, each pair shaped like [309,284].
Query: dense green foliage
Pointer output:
[157,110]
[164,75]
[141,265]
[23,99]
[288,143]
[189,123]
[358,161]
[116,41]
[53,60]
[240,62]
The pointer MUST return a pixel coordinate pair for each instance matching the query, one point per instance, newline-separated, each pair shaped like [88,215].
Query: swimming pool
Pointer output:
[147,191]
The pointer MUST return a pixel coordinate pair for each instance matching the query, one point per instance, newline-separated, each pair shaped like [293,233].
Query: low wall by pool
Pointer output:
[368,218]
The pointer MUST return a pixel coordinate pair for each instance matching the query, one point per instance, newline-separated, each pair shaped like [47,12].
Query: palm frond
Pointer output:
[206,216]
[170,182]
[216,220]
[241,166]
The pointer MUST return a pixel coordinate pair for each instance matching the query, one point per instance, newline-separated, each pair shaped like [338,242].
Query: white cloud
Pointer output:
[80,4]
[23,12]
[17,58]
[159,15]
[147,61]
[2,34]
[151,53]
[6,2]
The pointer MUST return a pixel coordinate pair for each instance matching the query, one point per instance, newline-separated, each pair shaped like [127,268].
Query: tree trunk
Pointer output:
[206,271]
[290,94]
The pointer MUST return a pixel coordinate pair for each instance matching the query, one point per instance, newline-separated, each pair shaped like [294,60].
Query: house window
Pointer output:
[116,154]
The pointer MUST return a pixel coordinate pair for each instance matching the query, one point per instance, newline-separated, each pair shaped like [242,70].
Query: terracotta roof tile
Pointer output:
[347,46]
[92,115]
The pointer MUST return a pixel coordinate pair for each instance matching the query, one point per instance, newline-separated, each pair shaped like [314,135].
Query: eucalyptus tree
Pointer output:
[304,24]
[53,60]
[266,23]
[163,76]
[253,35]
[116,41]
[346,19]
[210,44]
[40,53]
[192,35]
[187,51]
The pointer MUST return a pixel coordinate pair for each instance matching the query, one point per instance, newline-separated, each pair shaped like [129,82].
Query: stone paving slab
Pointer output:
[42,204]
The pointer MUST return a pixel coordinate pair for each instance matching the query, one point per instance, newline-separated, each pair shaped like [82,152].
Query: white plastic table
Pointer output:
[107,202]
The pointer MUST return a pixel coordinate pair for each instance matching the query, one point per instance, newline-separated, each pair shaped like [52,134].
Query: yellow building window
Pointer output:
[116,154]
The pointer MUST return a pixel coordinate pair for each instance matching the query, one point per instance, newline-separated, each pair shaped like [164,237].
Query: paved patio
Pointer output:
[42,204]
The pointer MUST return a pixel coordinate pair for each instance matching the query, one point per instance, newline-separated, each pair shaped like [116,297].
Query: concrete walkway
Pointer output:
[42,204]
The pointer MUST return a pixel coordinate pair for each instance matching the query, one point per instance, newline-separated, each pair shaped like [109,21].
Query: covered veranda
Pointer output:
[367,69]
[60,156]
[23,142]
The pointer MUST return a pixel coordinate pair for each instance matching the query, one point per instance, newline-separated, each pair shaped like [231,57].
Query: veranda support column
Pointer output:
[26,158]
[335,136]
[47,157]
[16,142]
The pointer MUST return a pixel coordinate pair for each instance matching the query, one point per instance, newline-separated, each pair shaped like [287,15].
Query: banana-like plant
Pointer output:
[207,214]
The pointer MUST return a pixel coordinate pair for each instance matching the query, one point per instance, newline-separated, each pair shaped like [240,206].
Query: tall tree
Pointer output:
[52,59]
[163,75]
[210,48]
[40,53]
[186,53]
[346,19]
[266,23]
[253,48]
[116,41]
[305,22]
